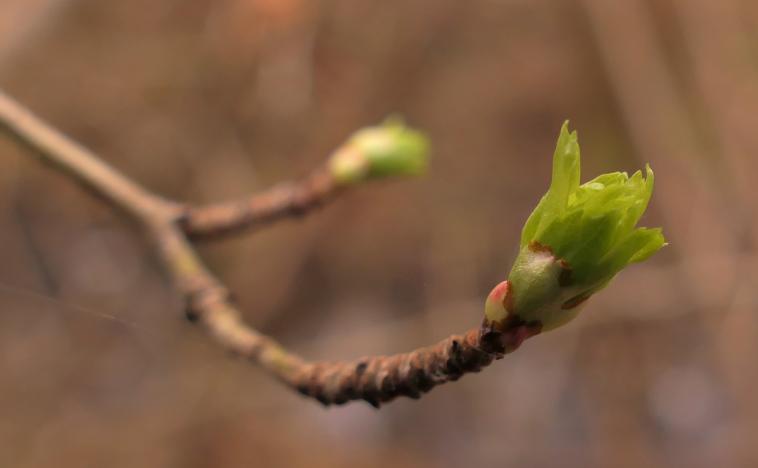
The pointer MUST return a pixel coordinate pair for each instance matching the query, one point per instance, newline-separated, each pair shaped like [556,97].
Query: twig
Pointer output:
[80,164]
[282,201]
[373,379]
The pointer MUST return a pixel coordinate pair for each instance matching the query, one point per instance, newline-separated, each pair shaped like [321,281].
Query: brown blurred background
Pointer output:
[203,100]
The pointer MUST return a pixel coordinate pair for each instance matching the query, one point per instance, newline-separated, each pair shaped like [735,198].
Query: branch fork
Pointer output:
[171,225]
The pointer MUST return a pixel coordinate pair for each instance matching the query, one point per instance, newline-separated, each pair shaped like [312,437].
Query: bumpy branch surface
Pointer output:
[167,224]
[380,379]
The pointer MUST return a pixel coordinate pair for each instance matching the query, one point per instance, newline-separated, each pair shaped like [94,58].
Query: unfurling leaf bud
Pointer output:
[576,240]
[391,149]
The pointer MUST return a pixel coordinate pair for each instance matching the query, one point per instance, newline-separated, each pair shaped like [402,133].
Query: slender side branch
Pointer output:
[373,379]
[281,201]
[81,164]
[388,150]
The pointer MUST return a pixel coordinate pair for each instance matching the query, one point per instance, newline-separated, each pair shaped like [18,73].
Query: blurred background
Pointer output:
[202,100]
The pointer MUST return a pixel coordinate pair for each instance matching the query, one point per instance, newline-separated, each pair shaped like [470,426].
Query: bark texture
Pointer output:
[380,379]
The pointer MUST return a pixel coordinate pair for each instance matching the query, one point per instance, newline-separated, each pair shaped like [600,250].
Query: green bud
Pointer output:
[391,149]
[577,239]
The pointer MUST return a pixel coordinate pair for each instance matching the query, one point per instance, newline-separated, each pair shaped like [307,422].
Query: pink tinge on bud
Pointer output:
[499,292]
[498,306]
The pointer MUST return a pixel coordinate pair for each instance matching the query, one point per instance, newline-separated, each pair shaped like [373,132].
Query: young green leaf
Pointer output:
[577,239]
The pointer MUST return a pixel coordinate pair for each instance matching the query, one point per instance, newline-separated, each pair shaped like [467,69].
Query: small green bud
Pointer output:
[391,149]
[576,240]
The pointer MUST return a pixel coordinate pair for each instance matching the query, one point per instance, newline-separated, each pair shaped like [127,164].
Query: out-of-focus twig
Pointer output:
[373,379]
[80,164]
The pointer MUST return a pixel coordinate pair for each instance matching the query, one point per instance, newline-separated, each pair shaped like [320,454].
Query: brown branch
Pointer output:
[380,379]
[284,200]
[373,379]
[79,163]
